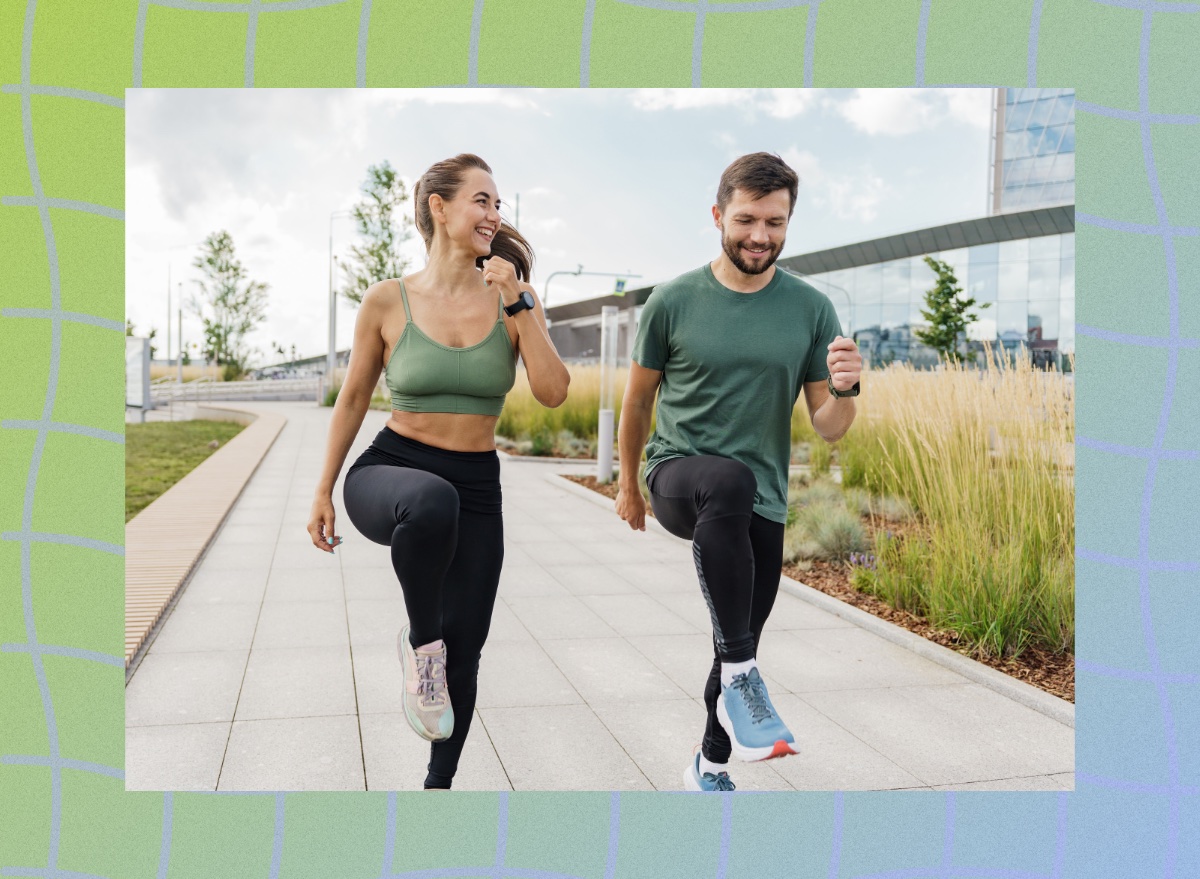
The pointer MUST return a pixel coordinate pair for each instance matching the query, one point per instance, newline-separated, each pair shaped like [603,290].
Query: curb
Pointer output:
[976,672]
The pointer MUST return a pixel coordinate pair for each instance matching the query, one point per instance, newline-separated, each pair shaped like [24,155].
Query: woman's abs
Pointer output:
[447,430]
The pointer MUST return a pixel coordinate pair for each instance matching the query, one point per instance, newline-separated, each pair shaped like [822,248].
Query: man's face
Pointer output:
[753,230]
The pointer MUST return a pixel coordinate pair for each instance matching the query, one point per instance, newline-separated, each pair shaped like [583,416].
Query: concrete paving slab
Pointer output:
[611,670]
[370,583]
[529,580]
[1032,782]
[303,585]
[298,753]
[661,744]
[918,729]
[656,578]
[831,757]
[637,614]
[559,553]
[173,688]
[520,673]
[301,624]
[686,660]
[297,682]
[376,620]
[561,747]
[826,660]
[396,758]
[505,625]
[549,617]
[590,579]
[224,587]
[196,626]
[177,757]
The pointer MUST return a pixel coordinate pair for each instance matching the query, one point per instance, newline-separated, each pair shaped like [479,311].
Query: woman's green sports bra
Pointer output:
[427,376]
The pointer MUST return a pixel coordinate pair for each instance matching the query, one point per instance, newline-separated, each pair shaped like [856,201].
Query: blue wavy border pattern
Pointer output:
[1151,813]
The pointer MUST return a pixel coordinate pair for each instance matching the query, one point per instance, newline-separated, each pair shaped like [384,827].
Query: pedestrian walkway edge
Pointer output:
[976,672]
[165,540]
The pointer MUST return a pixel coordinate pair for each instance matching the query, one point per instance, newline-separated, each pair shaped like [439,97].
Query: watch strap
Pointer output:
[852,392]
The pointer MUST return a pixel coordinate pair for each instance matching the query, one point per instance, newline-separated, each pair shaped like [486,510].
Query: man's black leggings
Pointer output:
[739,557]
[440,512]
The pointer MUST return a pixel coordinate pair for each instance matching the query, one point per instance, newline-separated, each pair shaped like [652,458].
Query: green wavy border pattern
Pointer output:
[64,68]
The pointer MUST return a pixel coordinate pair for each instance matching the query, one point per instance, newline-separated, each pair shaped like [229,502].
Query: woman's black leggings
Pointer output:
[440,512]
[739,556]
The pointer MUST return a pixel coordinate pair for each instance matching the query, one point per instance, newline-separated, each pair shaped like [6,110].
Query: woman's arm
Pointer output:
[353,400]
[548,375]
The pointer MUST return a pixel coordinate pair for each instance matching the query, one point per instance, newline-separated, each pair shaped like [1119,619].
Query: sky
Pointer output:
[619,181]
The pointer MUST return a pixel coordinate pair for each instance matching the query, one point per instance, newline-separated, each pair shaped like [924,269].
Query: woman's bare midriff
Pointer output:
[447,430]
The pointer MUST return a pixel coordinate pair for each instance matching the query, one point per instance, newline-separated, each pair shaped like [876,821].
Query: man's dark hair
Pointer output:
[758,174]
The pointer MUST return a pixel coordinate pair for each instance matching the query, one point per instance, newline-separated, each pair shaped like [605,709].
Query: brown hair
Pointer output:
[758,174]
[444,179]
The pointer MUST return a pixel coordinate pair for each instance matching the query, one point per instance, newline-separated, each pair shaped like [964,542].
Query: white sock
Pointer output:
[730,669]
[714,768]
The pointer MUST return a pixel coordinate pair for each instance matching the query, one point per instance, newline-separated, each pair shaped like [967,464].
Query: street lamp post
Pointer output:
[580,271]
[331,358]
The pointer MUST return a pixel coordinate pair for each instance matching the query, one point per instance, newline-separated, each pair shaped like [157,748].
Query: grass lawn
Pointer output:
[160,453]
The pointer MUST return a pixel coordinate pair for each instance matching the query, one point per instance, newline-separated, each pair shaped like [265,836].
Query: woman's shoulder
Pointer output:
[383,293]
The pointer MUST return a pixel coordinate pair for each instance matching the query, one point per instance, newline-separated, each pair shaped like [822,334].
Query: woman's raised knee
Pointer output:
[430,506]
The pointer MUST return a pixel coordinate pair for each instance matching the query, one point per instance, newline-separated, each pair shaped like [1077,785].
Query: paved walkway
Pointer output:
[276,669]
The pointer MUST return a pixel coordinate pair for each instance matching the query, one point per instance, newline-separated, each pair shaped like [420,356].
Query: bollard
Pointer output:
[609,327]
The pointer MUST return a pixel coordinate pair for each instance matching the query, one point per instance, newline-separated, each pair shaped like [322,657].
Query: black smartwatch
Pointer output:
[524,301]
[853,392]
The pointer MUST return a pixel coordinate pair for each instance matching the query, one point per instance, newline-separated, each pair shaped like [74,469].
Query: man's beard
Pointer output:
[735,256]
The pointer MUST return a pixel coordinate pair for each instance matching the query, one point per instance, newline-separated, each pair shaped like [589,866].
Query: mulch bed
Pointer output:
[1054,673]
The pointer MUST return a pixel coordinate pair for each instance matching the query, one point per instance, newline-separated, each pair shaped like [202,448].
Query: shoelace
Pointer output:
[755,696]
[431,681]
[721,781]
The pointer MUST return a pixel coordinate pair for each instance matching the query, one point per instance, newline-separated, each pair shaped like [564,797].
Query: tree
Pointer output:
[230,305]
[948,315]
[130,331]
[378,257]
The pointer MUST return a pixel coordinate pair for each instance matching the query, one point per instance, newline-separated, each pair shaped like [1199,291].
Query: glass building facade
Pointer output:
[1028,285]
[1032,149]
[1017,262]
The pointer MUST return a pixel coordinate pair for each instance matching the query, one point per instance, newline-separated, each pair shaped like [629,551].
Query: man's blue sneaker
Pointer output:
[747,715]
[694,779]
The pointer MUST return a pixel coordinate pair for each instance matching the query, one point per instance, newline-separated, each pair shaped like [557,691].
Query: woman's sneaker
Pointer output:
[694,779]
[747,715]
[426,701]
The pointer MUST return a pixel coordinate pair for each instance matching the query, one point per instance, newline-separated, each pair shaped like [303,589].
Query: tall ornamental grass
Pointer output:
[986,457]
[524,418]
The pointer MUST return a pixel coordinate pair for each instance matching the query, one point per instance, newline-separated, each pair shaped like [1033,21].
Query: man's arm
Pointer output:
[832,416]
[637,409]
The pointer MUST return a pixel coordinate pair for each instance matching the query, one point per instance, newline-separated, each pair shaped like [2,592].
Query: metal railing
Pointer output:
[205,389]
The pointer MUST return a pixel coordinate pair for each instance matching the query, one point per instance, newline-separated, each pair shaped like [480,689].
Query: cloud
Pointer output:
[848,196]
[897,112]
[777,103]
[544,225]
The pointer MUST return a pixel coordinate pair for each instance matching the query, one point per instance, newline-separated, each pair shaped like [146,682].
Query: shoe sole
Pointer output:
[780,748]
[689,783]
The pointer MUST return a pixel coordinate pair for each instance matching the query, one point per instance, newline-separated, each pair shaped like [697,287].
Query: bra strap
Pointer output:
[500,312]
[404,296]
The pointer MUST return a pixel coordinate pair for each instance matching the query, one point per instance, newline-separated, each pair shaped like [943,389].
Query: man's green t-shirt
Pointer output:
[734,365]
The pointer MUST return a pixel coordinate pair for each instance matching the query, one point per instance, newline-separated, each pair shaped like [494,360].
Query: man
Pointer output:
[729,347]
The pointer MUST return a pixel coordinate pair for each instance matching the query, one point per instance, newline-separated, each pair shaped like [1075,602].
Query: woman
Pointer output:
[447,338]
